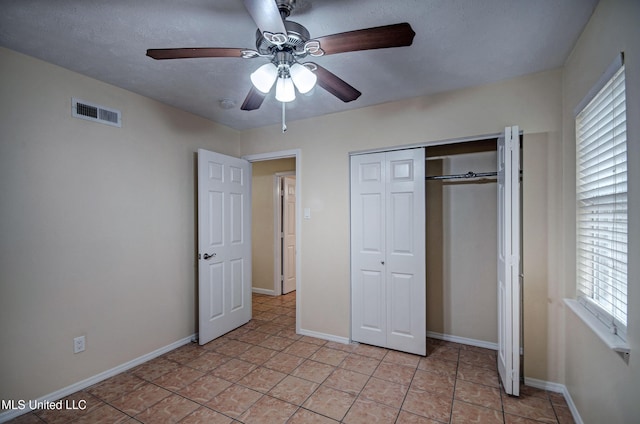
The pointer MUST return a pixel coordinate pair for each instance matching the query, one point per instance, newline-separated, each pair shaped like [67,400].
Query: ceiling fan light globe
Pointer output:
[285,91]
[303,78]
[264,77]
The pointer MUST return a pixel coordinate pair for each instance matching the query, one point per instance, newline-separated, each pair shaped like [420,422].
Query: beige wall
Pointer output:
[533,102]
[539,211]
[263,220]
[97,226]
[602,385]
[470,245]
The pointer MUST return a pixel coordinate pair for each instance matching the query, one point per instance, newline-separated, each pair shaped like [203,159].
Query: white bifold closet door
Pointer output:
[388,270]
[509,260]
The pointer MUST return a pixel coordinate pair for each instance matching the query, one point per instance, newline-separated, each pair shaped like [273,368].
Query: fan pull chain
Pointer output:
[284,125]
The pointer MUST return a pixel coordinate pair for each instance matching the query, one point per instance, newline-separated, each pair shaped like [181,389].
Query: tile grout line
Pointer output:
[404,398]
[455,382]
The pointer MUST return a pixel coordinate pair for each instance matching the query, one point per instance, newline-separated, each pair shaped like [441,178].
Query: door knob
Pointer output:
[382,262]
[209,256]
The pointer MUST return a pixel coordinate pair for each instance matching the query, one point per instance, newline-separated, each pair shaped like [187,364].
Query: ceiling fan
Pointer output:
[284,43]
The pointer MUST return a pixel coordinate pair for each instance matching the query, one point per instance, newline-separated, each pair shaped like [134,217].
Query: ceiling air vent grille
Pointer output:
[95,113]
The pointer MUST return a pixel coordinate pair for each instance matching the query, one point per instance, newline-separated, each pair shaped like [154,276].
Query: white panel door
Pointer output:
[368,232]
[289,235]
[509,260]
[388,250]
[224,244]
[405,251]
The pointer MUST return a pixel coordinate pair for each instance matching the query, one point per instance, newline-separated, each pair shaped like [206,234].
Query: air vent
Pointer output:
[95,113]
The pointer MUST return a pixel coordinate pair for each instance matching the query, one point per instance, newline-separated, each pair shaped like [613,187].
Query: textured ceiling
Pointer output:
[458,43]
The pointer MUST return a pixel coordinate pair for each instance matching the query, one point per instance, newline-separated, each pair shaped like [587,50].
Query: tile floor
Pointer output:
[264,372]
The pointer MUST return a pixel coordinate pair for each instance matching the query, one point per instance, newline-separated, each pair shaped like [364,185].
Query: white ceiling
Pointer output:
[458,43]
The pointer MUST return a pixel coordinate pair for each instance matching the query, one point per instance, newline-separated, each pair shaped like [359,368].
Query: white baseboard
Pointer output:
[545,385]
[263,291]
[558,388]
[66,391]
[462,340]
[323,336]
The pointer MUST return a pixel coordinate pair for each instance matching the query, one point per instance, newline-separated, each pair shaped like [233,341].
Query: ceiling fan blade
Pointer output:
[266,15]
[253,100]
[189,53]
[396,35]
[335,85]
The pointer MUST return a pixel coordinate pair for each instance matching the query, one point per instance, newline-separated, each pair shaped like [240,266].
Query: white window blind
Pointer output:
[601,191]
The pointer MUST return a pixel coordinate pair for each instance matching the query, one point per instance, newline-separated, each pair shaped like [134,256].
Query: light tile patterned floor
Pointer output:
[264,372]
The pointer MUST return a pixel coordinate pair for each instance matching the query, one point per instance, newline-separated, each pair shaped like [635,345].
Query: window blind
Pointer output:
[601,191]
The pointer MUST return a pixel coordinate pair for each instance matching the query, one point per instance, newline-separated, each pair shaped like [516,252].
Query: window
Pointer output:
[601,194]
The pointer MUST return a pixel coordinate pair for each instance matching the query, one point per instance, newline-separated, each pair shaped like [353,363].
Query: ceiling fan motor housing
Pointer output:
[297,36]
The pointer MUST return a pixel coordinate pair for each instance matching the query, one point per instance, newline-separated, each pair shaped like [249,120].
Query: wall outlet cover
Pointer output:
[78,344]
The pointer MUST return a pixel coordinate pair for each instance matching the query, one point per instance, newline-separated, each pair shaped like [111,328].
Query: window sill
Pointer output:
[612,341]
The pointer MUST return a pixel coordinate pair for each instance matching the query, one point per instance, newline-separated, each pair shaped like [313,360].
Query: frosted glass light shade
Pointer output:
[303,78]
[264,77]
[285,91]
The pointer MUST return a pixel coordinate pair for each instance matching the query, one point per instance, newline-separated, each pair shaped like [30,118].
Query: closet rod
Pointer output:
[458,176]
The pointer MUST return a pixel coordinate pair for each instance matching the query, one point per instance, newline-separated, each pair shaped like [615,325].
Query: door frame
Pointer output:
[297,154]
[278,227]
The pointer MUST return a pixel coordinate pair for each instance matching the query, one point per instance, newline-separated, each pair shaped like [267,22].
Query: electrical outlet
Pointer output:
[78,344]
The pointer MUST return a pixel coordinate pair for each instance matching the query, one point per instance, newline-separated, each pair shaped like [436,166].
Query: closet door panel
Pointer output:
[402,220]
[372,302]
[405,235]
[368,249]
[400,304]
[509,260]
[371,223]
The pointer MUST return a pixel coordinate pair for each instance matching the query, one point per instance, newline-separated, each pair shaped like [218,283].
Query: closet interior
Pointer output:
[461,240]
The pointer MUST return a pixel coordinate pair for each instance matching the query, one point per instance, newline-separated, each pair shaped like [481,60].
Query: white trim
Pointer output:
[557,388]
[277,235]
[545,385]
[462,340]
[80,385]
[612,341]
[427,144]
[604,79]
[268,292]
[324,336]
[282,154]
